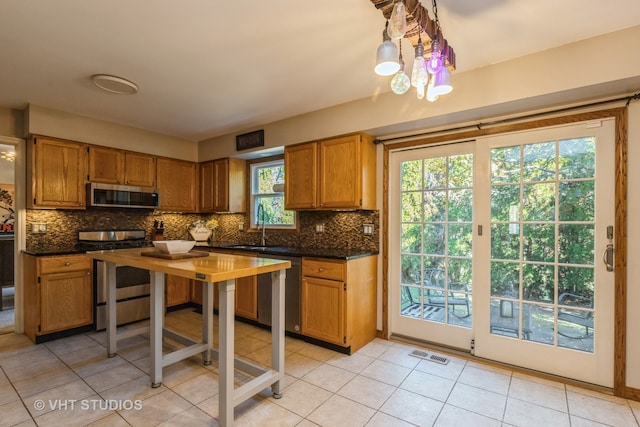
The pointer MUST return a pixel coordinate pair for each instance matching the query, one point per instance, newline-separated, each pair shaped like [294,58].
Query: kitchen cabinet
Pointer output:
[58,294]
[112,166]
[56,173]
[222,186]
[246,304]
[6,262]
[176,184]
[178,290]
[336,173]
[339,300]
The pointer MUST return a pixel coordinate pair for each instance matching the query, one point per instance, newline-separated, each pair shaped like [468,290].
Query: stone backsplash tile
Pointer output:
[343,230]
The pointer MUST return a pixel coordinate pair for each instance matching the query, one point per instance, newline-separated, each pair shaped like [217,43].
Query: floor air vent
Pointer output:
[432,357]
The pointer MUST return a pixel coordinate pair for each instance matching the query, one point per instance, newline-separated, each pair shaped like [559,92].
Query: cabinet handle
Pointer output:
[321,269]
[67,264]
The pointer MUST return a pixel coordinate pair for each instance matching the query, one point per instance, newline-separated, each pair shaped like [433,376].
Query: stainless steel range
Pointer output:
[132,284]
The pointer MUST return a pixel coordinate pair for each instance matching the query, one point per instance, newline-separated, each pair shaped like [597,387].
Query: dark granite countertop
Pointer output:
[54,250]
[335,253]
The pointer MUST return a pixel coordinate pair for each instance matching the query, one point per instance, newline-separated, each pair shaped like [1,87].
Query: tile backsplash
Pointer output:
[341,229]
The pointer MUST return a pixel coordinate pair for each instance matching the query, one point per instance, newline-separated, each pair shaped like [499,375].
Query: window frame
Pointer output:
[254,167]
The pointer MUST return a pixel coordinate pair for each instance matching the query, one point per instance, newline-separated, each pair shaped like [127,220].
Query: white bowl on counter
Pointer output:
[174,246]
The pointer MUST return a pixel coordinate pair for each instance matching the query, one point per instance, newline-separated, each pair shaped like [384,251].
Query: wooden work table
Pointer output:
[209,268]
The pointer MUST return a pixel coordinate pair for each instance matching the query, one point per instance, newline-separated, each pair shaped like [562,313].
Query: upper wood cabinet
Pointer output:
[337,173]
[176,184]
[222,186]
[57,171]
[114,166]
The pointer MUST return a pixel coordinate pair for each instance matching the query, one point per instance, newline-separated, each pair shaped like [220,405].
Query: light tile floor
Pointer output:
[71,382]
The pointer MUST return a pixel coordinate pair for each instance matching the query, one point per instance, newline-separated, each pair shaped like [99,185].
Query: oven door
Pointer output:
[132,294]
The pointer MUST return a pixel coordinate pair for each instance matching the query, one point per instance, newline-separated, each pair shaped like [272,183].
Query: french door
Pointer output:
[507,241]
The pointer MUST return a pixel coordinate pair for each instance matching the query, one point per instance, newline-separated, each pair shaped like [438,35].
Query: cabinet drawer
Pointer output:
[63,264]
[324,269]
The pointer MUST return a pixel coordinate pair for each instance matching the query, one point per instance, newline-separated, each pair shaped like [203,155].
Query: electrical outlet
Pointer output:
[367,228]
[241,226]
[319,228]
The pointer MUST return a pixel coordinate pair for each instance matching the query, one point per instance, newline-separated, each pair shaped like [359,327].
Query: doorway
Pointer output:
[517,230]
[7,238]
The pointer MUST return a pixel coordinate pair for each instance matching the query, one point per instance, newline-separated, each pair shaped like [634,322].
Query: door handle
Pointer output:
[607,257]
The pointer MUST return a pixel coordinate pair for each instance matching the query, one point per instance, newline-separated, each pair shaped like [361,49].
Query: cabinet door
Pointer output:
[58,173]
[340,173]
[323,310]
[106,165]
[176,185]
[229,185]
[178,290]
[247,297]
[301,168]
[205,189]
[66,301]
[140,170]
[221,185]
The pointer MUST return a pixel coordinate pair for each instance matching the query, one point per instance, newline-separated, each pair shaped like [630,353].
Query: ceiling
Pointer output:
[207,68]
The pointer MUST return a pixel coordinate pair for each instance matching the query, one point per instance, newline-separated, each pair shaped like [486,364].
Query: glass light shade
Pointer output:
[387,59]
[400,83]
[397,21]
[442,82]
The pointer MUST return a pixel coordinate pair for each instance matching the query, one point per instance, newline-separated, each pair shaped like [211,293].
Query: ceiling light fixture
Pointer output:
[431,75]
[114,84]
[387,55]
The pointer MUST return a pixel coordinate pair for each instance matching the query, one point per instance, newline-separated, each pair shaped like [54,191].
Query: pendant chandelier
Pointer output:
[434,58]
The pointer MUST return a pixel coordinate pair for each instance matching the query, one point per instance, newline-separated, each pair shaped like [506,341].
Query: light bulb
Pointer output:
[419,76]
[397,21]
[436,61]
[431,95]
[400,83]
[387,56]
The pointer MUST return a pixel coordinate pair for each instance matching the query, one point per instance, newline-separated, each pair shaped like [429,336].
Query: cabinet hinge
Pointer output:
[39,279]
[34,201]
[344,340]
[39,330]
[344,286]
[88,148]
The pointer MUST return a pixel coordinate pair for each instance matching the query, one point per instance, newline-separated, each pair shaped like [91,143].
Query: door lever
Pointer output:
[607,257]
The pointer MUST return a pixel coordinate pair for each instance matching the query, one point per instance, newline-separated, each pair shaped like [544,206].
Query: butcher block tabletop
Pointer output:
[214,267]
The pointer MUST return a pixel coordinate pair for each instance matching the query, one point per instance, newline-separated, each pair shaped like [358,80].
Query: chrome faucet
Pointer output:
[263,242]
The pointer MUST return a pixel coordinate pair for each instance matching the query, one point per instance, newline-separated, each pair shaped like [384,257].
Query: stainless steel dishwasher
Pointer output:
[292,294]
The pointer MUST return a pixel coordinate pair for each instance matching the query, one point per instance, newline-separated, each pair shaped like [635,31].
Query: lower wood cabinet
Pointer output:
[339,300]
[58,294]
[246,304]
[178,290]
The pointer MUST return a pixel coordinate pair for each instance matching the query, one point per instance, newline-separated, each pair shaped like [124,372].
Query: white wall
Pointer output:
[45,121]
[560,76]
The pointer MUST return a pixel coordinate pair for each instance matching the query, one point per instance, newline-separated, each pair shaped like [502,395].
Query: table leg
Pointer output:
[112,345]
[226,351]
[157,320]
[277,327]
[207,321]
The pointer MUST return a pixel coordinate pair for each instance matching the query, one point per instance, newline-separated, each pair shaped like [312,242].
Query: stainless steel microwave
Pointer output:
[121,196]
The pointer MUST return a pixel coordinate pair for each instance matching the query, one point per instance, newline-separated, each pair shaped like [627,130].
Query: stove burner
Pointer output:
[112,239]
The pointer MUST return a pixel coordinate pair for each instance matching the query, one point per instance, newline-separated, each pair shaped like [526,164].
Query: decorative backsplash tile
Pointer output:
[343,230]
